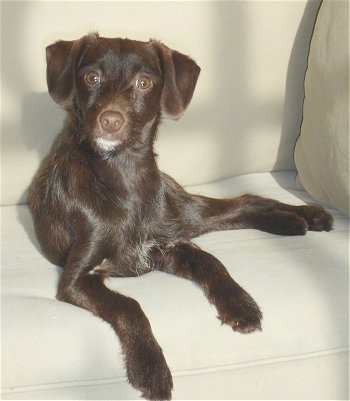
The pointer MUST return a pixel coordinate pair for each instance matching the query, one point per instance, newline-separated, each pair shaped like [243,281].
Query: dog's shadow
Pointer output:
[24,218]
[41,120]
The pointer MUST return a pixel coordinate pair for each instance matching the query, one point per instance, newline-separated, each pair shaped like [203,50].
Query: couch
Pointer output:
[269,116]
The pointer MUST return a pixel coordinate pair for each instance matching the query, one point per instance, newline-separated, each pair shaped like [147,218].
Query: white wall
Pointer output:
[241,118]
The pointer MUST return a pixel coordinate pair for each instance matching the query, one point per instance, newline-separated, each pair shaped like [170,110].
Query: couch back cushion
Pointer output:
[238,121]
[322,150]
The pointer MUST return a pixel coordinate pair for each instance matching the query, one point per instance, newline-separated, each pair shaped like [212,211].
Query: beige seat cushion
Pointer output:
[53,350]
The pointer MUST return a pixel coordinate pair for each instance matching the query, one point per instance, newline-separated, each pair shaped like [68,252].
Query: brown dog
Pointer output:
[102,208]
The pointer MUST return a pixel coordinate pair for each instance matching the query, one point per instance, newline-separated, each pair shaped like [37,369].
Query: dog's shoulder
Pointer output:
[64,169]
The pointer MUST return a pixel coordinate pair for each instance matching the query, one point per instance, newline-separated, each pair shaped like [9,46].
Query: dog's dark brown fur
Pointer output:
[102,208]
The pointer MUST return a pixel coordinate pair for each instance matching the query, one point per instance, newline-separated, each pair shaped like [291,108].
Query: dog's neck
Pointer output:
[130,168]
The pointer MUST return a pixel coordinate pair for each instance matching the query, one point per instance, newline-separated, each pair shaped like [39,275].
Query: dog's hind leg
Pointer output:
[251,211]
[82,285]
[234,305]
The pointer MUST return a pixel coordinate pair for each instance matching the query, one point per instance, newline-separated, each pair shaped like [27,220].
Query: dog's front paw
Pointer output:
[148,371]
[239,310]
[318,219]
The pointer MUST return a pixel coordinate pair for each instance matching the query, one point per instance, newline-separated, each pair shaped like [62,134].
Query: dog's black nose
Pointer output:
[111,121]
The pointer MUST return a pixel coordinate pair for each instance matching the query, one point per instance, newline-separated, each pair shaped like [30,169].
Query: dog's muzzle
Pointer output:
[111,121]
[110,136]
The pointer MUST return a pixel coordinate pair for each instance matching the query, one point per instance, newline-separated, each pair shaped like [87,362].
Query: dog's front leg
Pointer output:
[234,305]
[146,367]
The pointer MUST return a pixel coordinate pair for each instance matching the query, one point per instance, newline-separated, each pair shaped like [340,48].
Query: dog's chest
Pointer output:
[129,212]
[134,260]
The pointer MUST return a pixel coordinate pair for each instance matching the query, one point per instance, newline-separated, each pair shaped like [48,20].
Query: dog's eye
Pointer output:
[144,82]
[92,78]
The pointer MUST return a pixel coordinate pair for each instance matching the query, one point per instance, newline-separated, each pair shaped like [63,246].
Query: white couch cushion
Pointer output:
[53,350]
[322,150]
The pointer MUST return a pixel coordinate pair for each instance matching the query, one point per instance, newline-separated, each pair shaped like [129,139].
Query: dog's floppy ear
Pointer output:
[180,78]
[60,59]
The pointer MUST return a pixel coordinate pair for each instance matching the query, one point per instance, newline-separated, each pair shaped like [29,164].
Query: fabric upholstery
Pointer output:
[322,151]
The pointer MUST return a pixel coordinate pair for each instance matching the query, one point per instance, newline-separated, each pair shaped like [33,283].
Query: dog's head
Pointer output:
[118,88]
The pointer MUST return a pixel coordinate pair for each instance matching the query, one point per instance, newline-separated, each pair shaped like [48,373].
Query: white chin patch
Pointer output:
[107,145]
